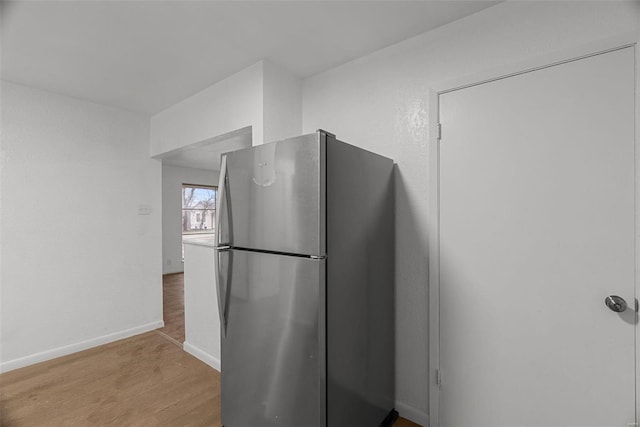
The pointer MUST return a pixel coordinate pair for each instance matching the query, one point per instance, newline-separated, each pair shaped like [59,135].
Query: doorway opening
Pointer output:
[189,178]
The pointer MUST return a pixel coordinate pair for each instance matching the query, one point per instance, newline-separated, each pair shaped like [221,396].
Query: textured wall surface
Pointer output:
[381,102]
[80,265]
[226,106]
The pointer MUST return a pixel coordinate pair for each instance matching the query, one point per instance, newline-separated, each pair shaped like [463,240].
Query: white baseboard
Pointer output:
[412,414]
[214,362]
[73,348]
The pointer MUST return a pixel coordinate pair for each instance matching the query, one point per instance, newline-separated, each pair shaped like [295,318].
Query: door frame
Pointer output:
[530,65]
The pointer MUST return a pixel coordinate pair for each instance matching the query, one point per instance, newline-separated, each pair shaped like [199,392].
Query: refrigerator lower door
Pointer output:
[273,353]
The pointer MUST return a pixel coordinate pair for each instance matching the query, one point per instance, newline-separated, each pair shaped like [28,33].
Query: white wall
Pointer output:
[231,104]
[80,266]
[381,102]
[282,103]
[172,179]
[201,316]
[264,96]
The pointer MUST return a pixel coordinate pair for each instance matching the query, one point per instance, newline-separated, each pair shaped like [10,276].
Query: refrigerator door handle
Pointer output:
[222,187]
[221,304]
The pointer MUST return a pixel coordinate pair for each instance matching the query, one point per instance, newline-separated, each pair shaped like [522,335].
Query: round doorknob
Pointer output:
[615,303]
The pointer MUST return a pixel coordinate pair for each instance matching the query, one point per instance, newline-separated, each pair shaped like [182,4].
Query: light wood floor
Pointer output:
[146,380]
[173,306]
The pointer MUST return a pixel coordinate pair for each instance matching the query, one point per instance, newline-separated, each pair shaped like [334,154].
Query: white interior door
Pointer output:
[537,225]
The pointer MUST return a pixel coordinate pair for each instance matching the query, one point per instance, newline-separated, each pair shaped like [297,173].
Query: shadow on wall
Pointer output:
[630,315]
[412,274]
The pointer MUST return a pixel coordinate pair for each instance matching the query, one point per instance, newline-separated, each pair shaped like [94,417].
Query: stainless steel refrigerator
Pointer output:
[304,267]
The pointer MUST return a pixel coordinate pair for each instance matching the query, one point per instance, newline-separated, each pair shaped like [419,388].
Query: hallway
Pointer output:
[173,306]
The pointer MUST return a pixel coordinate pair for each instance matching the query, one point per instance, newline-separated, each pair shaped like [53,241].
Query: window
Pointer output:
[198,211]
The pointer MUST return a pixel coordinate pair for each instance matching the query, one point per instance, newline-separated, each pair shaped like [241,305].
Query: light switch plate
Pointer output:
[144,209]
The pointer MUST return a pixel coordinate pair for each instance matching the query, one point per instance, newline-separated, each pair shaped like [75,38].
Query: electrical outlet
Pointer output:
[168,262]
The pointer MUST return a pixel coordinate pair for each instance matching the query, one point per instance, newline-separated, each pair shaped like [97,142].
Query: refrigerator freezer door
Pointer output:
[273,354]
[274,197]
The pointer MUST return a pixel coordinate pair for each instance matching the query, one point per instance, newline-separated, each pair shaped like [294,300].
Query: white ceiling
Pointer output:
[145,56]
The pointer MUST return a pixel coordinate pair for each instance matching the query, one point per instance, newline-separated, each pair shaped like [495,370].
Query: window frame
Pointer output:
[201,211]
